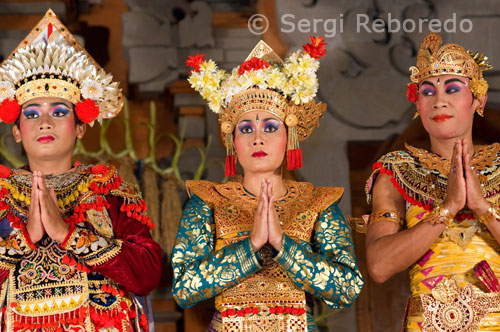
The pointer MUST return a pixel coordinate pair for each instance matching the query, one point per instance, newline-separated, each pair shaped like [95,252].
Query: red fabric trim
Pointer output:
[27,237]
[66,239]
[407,197]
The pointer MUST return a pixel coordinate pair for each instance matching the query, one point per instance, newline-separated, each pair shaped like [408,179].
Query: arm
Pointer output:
[201,271]
[132,258]
[389,249]
[326,269]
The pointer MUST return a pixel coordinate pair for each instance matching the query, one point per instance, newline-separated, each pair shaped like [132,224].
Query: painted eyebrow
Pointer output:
[451,80]
[51,105]
[271,119]
[427,82]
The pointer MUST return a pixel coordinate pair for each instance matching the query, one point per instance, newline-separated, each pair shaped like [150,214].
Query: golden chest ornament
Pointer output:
[451,308]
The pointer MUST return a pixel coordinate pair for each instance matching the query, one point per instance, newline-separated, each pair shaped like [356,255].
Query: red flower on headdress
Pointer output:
[252,64]
[4,171]
[412,92]
[195,61]
[86,111]
[9,110]
[316,49]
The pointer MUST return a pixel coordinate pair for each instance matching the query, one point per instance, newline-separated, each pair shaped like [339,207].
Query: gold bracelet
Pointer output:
[385,215]
[489,216]
[439,215]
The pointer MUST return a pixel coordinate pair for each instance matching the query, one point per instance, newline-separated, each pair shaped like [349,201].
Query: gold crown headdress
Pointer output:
[434,60]
[50,62]
[264,82]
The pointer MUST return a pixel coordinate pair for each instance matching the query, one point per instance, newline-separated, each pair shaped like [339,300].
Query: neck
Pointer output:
[54,167]
[444,147]
[253,182]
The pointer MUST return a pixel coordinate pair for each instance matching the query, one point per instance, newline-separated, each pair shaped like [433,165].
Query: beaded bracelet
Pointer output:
[439,215]
[489,216]
[385,215]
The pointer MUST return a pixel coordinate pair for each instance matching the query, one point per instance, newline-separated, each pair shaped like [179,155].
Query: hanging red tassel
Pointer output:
[230,166]
[294,159]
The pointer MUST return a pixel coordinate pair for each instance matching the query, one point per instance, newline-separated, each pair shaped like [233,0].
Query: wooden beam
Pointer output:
[180,86]
[273,34]
[198,111]
[230,20]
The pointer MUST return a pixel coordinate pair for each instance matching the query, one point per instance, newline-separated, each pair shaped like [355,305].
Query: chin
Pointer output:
[262,168]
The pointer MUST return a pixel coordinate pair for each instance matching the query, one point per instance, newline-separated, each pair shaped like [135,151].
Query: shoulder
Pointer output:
[105,180]
[320,198]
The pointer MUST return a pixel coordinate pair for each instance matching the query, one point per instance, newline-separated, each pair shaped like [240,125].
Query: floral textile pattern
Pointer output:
[209,262]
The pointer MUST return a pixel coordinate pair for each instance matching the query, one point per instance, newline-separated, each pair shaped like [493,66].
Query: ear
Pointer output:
[482,101]
[80,130]
[16,133]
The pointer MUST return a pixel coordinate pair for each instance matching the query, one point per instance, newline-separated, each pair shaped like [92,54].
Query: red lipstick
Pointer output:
[259,154]
[441,117]
[45,139]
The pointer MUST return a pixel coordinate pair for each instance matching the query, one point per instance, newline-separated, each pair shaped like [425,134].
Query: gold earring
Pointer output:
[417,113]
[480,111]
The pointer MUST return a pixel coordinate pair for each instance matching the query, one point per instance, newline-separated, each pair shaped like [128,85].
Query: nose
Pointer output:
[46,123]
[258,139]
[441,101]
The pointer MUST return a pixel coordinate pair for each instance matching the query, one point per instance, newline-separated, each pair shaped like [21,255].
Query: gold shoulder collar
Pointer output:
[205,190]
[484,156]
[323,197]
[421,176]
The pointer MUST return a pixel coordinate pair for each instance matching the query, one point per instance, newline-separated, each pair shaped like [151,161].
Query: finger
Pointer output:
[53,194]
[42,206]
[272,207]
[270,190]
[459,161]
[454,155]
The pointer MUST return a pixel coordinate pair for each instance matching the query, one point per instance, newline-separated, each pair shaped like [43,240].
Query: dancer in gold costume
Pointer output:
[261,245]
[436,212]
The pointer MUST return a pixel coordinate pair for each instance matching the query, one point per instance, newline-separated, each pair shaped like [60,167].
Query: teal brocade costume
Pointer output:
[213,256]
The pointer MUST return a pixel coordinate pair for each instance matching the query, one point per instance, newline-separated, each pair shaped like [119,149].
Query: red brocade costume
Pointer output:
[87,282]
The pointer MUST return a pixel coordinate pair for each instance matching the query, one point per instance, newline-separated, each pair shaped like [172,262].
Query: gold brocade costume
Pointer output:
[263,290]
[421,177]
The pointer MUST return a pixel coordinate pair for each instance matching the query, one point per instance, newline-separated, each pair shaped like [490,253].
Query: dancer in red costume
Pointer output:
[76,247]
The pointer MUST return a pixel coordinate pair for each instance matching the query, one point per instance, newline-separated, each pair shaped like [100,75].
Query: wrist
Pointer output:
[489,215]
[451,209]
[440,214]
[62,234]
[276,243]
[256,245]
[483,208]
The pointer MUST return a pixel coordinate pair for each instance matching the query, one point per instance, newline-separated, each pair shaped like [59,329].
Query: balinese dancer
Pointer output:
[436,212]
[261,245]
[77,246]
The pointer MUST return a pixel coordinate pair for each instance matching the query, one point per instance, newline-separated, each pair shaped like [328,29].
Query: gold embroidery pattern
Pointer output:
[295,211]
[31,285]
[423,175]
[91,248]
[101,221]
[266,322]
[454,309]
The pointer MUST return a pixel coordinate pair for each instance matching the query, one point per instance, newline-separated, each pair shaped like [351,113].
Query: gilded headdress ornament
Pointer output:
[434,60]
[264,82]
[50,62]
